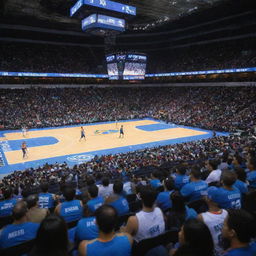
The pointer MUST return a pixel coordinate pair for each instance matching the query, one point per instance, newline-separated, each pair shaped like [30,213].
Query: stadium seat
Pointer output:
[146,245]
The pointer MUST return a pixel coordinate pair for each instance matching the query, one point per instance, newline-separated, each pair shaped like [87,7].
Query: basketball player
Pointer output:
[121,135]
[82,134]
[23,130]
[24,149]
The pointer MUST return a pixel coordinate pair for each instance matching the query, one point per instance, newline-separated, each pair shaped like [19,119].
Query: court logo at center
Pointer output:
[80,158]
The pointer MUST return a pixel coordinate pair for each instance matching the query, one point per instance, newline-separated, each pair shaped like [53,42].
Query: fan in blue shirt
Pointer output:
[20,231]
[181,178]
[96,201]
[7,205]
[229,196]
[163,199]
[117,200]
[46,200]
[196,189]
[87,228]
[238,228]
[251,175]
[155,182]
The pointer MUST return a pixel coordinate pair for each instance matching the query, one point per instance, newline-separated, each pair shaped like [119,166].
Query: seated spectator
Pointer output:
[195,240]
[149,222]
[105,189]
[86,228]
[241,180]
[181,178]
[95,201]
[71,210]
[117,200]
[163,199]
[214,218]
[179,212]
[35,214]
[51,238]
[8,203]
[229,196]
[109,242]
[215,173]
[155,182]
[251,175]
[238,229]
[196,188]
[46,199]
[20,231]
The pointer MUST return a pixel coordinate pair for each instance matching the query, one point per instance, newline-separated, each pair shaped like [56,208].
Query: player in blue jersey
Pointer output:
[163,199]
[238,229]
[251,175]
[82,134]
[121,132]
[20,231]
[230,196]
[117,200]
[95,201]
[24,149]
[196,188]
[71,210]
[109,242]
[8,203]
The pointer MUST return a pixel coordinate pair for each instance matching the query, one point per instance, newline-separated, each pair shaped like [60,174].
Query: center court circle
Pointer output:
[80,158]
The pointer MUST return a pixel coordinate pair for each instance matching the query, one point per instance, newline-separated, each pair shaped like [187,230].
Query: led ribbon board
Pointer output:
[104,4]
[103,21]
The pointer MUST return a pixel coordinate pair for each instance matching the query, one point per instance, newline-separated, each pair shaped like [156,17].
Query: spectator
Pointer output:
[155,182]
[215,173]
[239,229]
[229,196]
[35,214]
[149,222]
[163,199]
[117,200]
[241,182]
[196,188]
[181,178]
[105,189]
[51,238]
[46,199]
[109,242]
[71,210]
[20,231]
[87,228]
[214,218]
[6,206]
[195,240]
[95,201]
[251,175]
[179,212]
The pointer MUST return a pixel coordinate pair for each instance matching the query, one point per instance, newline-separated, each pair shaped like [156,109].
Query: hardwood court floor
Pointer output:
[68,139]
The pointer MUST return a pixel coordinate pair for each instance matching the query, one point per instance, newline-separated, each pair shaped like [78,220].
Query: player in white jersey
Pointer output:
[214,219]
[149,222]
[24,131]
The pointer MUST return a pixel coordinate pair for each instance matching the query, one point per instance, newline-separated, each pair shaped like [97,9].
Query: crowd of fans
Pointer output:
[69,59]
[223,109]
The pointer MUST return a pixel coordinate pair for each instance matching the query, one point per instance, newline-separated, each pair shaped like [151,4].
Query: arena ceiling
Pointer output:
[151,13]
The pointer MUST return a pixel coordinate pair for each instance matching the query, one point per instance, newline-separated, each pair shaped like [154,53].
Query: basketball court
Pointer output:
[61,144]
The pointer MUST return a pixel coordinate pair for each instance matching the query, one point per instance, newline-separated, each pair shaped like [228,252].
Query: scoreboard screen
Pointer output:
[104,4]
[103,21]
